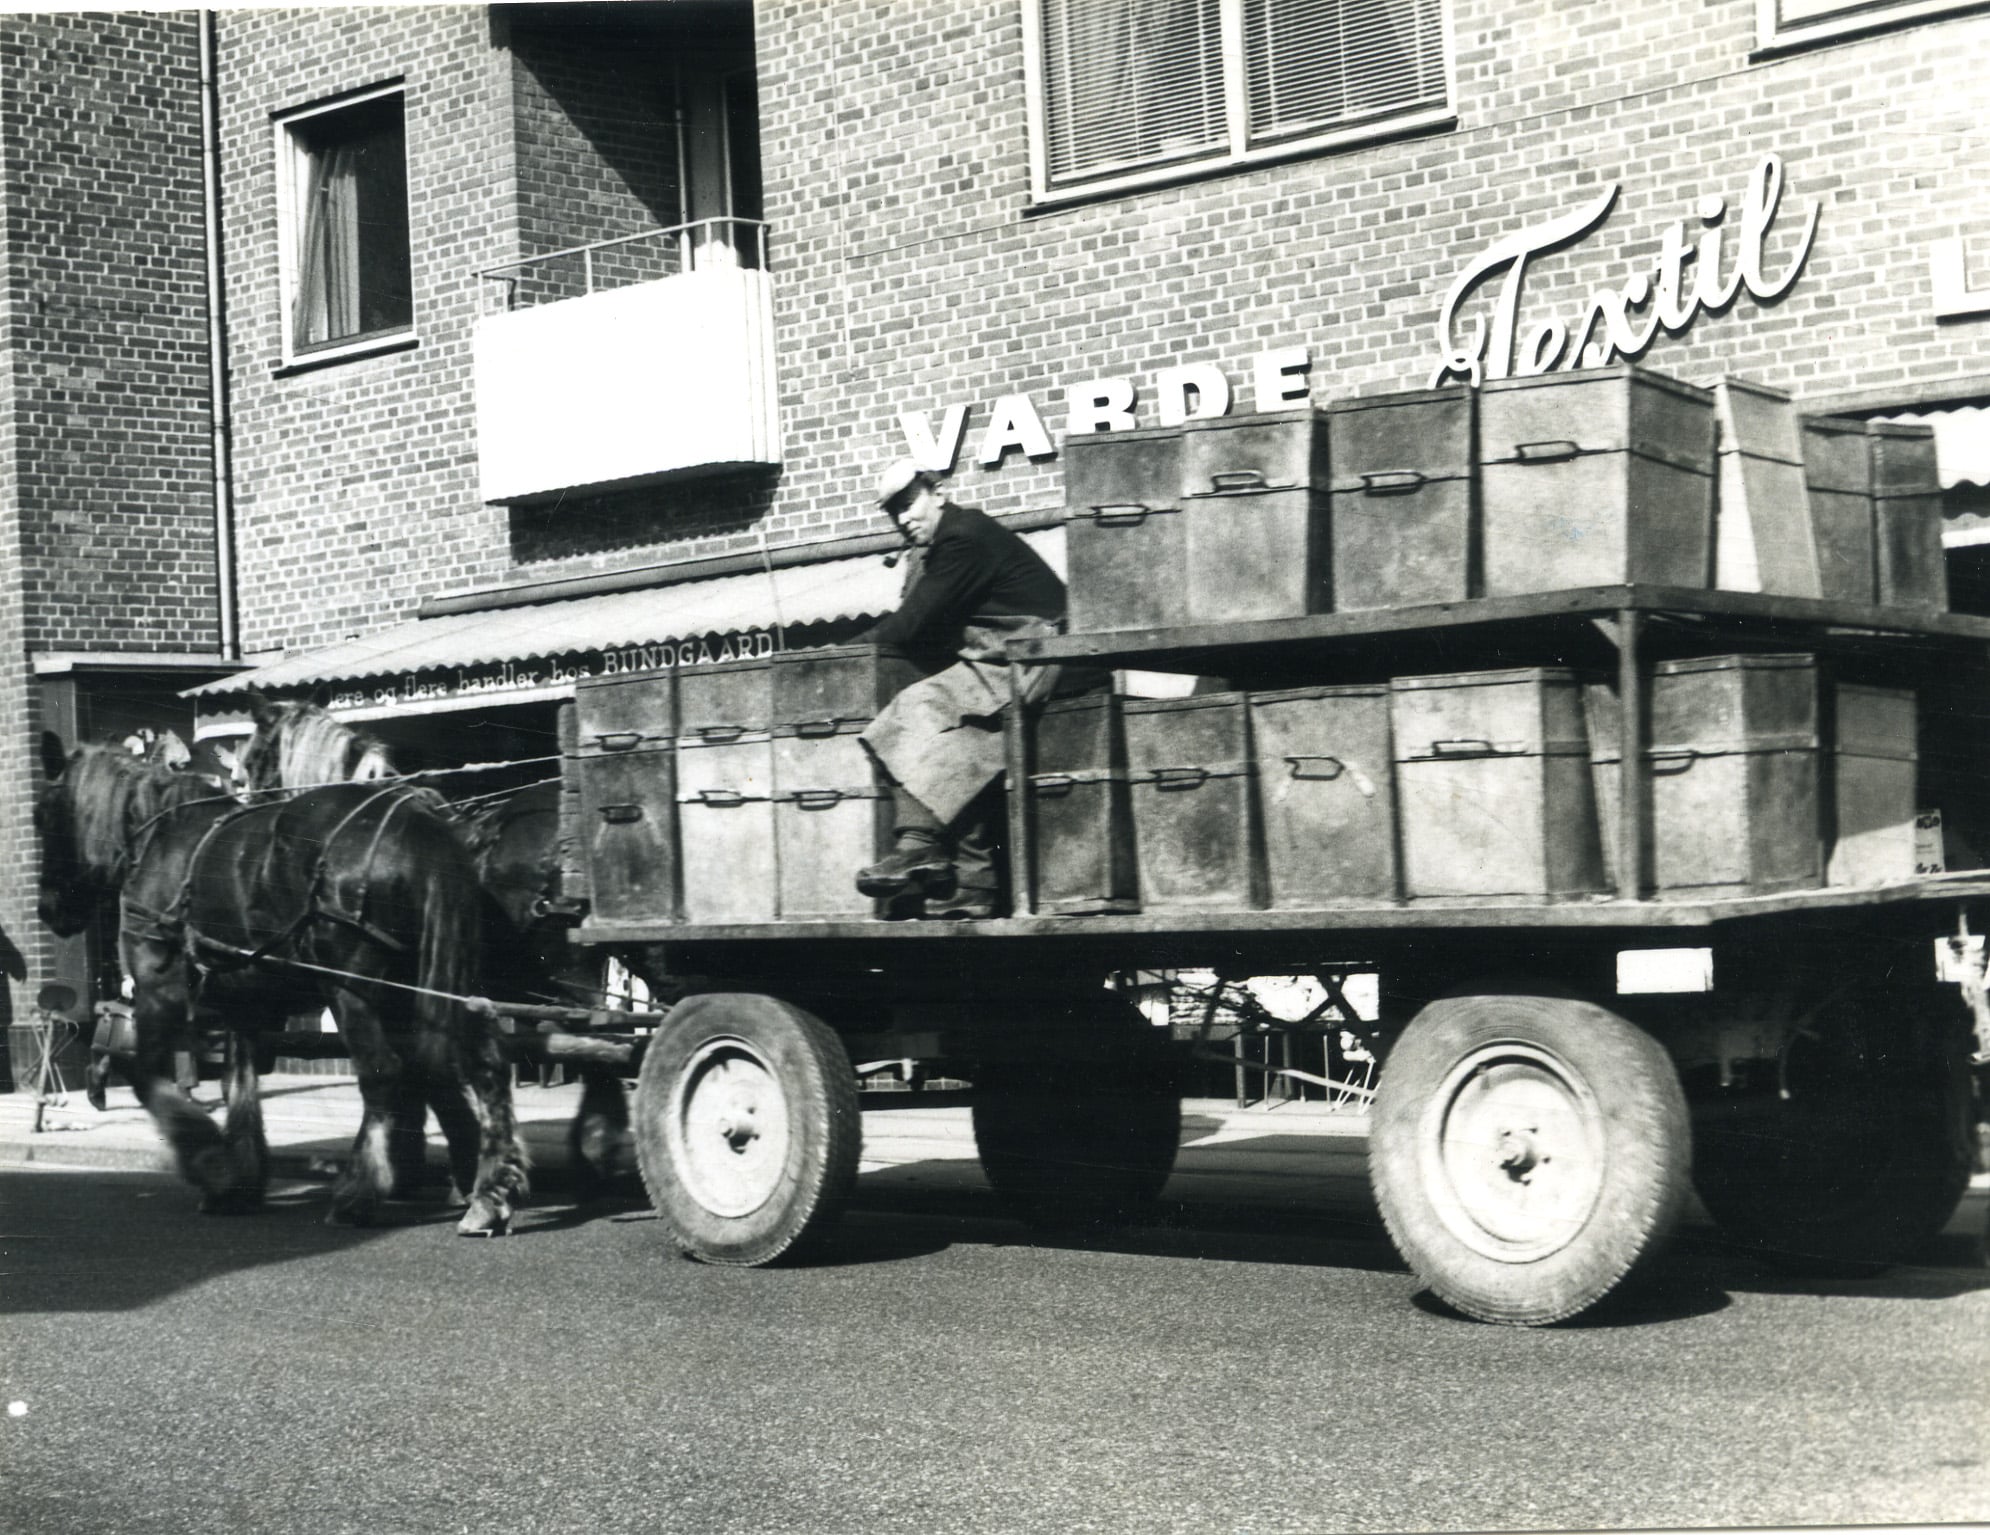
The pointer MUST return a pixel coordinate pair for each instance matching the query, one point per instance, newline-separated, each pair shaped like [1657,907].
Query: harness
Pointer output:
[206,953]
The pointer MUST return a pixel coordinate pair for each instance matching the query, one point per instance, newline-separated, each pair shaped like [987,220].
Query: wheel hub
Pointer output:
[729,1128]
[1513,1152]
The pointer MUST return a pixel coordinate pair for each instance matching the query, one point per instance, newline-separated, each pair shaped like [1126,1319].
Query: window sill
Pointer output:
[1855,26]
[331,357]
[1417,125]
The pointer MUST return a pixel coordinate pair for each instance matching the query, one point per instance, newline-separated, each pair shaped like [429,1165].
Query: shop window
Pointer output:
[344,177]
[1129,92]
[1792,23]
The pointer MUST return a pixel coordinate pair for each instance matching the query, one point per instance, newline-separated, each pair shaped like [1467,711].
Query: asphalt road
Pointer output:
[1249,1367]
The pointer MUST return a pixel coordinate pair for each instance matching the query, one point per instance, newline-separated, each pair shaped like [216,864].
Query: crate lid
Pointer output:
[1263,418]
[1521,424]
[1757,421]
[1744,661]
[1553,676]
[1188,701]
[1344,690]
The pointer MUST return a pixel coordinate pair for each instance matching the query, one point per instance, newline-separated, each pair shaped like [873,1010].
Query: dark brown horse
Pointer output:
[513,836]
[358,898]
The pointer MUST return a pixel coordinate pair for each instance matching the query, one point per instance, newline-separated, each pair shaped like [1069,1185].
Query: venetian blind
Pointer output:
[1129,82]
[1313,64]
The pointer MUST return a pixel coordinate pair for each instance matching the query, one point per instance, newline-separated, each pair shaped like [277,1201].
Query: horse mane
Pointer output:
[300,745]
[113,794]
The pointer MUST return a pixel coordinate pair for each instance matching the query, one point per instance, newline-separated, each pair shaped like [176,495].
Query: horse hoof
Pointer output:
[483,1219]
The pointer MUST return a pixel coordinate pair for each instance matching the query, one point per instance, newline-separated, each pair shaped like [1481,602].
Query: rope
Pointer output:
[425,773]
[481,1005]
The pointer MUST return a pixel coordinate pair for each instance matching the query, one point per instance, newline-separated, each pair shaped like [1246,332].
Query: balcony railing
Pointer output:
[622,262]
[627,361]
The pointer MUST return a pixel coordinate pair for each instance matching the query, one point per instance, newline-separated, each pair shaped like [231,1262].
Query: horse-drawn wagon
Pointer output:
[1483,777]
[1492,694]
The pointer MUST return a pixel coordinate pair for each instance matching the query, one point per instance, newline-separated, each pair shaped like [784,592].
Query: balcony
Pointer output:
[626,362]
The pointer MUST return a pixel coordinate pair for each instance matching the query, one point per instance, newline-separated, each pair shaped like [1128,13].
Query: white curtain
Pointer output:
[327,301]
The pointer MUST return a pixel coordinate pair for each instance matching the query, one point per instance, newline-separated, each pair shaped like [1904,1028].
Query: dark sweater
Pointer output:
[973,567]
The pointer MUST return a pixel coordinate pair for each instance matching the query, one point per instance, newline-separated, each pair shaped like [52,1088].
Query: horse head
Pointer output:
[95,802]
[298,745]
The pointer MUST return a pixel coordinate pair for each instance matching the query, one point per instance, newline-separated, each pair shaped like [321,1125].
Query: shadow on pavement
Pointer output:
[114,1241]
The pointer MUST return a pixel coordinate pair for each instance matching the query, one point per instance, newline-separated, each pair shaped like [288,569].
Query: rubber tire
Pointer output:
[1068,1155]
[1640,1158]
[1866,1160]
[803,1064]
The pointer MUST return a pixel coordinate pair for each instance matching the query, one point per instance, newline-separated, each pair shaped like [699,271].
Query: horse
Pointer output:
[513,838]
[357,897]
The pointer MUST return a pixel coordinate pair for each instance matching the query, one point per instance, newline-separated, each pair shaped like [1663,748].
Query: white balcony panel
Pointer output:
[663,378]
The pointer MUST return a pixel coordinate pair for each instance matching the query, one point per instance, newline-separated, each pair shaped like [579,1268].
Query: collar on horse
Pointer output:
[206,953]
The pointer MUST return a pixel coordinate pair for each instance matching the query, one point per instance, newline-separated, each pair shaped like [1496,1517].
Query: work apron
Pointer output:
[941,737]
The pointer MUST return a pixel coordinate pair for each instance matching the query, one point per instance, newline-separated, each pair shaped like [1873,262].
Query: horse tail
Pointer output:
[460,1044]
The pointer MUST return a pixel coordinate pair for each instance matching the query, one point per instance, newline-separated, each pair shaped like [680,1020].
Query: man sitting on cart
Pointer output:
[971,585]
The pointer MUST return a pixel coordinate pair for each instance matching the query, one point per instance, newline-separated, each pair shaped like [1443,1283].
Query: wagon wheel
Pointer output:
[1856,1150]
[1530,1154]
[1069,1146]
[747,1128]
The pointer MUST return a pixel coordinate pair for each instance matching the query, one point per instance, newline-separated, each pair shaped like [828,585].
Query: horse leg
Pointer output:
[407,1147]
[248,1146]
[368,1177]
[598,1138]
[457,1110]
[96,1079]
[159,1011]
[501,1160]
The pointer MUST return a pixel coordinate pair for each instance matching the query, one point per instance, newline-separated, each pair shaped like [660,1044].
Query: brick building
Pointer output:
[566,337]
[108,575]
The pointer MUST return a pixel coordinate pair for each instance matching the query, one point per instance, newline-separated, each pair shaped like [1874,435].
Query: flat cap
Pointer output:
[900,476]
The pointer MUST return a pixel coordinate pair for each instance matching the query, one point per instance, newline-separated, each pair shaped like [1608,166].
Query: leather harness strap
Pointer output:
[173,925]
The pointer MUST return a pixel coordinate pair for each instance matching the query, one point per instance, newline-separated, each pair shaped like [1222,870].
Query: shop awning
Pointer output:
[521,654]
[1962,442]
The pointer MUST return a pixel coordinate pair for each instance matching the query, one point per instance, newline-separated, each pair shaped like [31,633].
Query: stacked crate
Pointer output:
[1502,785]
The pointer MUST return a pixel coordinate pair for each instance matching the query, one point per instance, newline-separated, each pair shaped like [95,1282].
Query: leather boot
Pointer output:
[921,863]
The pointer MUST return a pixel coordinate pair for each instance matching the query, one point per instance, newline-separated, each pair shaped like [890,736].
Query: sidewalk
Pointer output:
[310,1122]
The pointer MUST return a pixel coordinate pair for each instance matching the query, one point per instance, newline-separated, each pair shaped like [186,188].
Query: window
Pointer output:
[346,282]
[1792,23]
[1128,92]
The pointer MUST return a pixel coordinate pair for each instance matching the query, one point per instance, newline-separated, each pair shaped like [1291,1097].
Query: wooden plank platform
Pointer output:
[1338,923]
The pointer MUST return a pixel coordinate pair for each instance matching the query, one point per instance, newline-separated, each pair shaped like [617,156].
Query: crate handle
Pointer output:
[1392,482]
[1053,783]
[1468,748]
[817,799]
[721,733]
[1672,760]
[1298,765]
[1169,779]
[1545,452]
[721,799]
[815,730]
[1240,482]
[1121,516]
[620,740]
[621,815]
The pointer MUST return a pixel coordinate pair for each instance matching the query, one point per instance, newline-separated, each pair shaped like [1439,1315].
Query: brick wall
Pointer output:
[911,271]
[597,148]
[102,124]
[105,485]
[357,484]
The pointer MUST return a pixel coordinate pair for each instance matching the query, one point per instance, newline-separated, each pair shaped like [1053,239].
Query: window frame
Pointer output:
[290,153]
[1239,153]
[1852,18]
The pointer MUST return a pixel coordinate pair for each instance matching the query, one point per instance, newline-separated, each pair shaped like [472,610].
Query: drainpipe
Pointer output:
[230,643]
